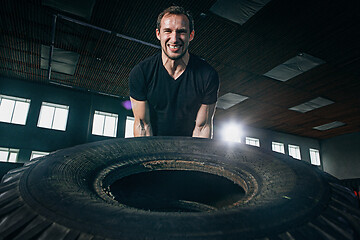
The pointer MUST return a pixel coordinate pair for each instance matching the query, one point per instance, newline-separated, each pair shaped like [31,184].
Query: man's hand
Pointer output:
[142,126]
[204,121]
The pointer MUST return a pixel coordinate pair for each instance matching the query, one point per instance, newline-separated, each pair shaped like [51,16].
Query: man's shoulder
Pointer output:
[198,62]
[201,66]
[149,61]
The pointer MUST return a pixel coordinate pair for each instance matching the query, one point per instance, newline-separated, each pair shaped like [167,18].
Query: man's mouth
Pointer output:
[174,47]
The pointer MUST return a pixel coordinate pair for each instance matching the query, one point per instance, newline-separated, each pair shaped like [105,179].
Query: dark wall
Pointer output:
[82,106]
[342,156]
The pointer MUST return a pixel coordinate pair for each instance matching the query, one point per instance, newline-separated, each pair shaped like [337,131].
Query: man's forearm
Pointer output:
[204,131]
[142,129]
[204,121]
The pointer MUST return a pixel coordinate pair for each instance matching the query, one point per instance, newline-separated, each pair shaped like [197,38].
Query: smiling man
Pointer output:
[174,93]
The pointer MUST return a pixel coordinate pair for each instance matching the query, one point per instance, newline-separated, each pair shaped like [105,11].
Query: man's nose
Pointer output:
[174,36]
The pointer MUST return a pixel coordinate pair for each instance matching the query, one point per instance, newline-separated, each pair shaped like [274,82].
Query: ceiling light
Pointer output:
[329,126]
[293,67]
[239,11]
[230,99]
[311,105]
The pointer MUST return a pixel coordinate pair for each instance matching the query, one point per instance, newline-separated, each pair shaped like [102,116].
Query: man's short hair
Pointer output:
[176,10]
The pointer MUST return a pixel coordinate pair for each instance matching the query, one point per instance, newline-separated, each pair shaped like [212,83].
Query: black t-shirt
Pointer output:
[174,103]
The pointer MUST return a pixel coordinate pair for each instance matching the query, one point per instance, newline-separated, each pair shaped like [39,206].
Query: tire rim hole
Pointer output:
[176,191]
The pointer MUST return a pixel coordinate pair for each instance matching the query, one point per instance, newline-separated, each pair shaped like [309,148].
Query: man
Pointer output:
[174,93]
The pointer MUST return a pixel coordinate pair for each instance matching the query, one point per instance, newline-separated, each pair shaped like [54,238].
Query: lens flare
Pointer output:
[232,132]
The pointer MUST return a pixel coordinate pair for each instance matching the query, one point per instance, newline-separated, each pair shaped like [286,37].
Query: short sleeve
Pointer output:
[137,84]
[212,88]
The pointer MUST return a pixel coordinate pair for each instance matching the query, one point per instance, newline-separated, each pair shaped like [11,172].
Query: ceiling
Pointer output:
[101,61]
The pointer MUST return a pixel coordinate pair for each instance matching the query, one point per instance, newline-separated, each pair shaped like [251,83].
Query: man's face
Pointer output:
[174,35]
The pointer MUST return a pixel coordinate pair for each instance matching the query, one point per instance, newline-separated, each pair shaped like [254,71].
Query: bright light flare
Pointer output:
[232,132]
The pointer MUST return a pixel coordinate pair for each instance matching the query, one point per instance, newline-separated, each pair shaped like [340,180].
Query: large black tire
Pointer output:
[6,166]
[73,194]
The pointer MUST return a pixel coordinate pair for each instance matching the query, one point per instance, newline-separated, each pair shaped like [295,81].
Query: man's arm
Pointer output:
[142,126]
[204,121]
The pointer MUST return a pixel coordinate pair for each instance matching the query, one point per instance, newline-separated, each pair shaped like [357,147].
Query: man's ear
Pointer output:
[158,33]
[192,34]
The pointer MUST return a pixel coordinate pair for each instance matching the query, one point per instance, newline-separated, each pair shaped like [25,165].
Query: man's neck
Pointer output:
[175,67]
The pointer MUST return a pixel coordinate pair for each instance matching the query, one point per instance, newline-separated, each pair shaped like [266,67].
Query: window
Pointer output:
[14,110]
[105,124]
[53,116]
[278,147]
[35,154]
[252,141]
[315,157]
[8,155]
[129,127]
[294,151]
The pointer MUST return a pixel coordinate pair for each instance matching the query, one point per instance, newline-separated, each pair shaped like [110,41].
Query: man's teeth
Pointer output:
[174,47]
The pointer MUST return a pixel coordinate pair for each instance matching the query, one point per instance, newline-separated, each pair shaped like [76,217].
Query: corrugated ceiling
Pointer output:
[328,30]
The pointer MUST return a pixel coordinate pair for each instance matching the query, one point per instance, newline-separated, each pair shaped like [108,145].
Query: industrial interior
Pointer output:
[289,74]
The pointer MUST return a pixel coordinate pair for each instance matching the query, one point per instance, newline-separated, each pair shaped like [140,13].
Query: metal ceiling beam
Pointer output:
[108,31]
[52,45]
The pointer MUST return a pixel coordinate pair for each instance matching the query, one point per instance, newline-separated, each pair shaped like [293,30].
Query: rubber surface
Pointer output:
[6,166]
[67,195]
